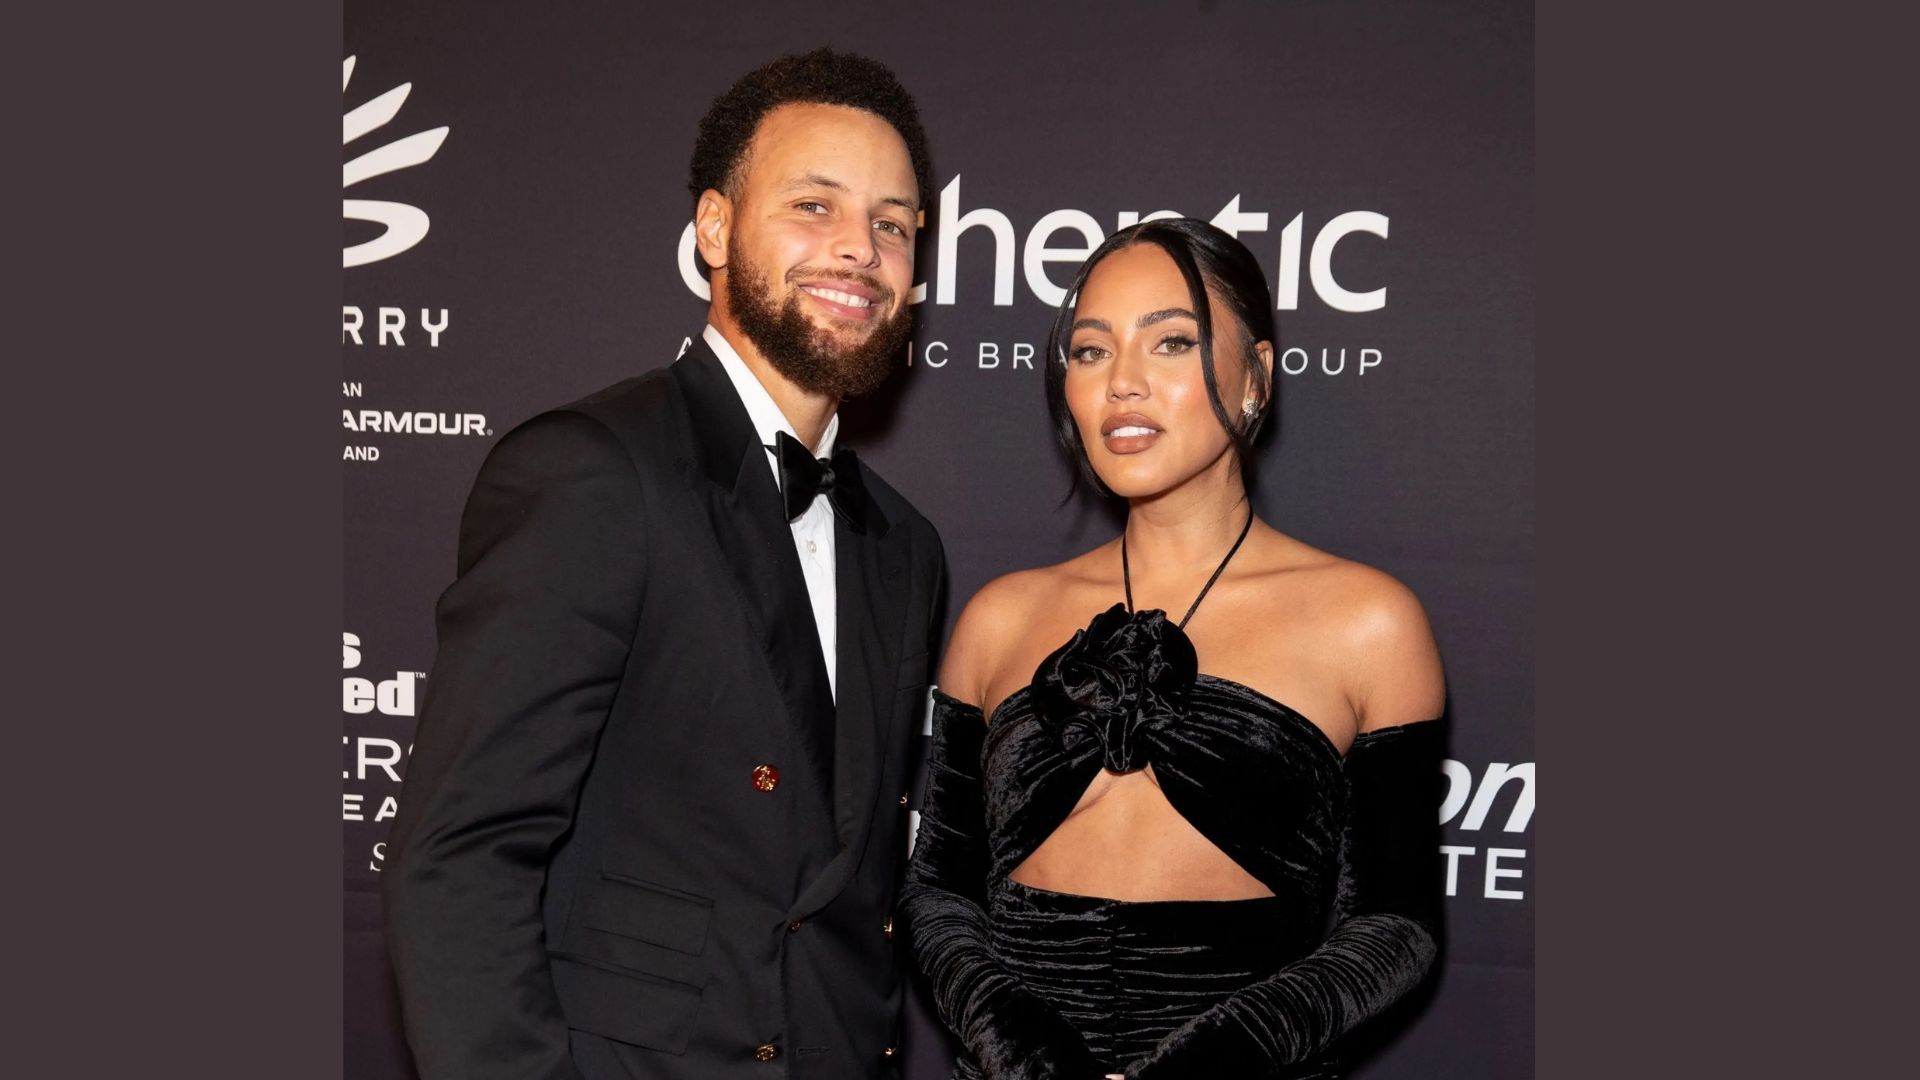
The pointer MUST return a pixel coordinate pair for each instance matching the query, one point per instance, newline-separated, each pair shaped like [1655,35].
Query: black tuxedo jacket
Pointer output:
[615,854]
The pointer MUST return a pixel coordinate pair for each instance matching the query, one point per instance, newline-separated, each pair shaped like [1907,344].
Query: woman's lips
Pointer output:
[1129,433]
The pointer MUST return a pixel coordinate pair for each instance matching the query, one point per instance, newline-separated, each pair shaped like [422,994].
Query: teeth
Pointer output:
[1131,432]
[839,297]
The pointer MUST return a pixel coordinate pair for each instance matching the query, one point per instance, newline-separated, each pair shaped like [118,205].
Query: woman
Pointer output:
[1131,848]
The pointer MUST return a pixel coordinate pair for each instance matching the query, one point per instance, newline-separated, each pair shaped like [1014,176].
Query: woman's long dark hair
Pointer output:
[1206,256]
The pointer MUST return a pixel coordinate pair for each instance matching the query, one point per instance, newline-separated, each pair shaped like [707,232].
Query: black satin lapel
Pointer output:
[721,431]
[743,508]
[758,545]
[868,629]
[870,596]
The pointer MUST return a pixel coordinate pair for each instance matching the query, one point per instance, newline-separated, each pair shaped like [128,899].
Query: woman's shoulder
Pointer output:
[1012,599]
[1373,630]
[1367,602]
[1350,598]
[996,622]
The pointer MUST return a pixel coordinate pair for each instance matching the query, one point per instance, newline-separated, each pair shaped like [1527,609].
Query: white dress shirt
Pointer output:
[813,530]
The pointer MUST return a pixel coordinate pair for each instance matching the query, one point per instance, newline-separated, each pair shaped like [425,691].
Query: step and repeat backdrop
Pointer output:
[516,234]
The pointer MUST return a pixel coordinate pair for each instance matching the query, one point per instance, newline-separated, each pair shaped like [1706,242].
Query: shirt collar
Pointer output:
[768,420]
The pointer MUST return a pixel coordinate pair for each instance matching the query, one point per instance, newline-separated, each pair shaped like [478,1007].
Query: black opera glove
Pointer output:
[1385,942]
[1010,1033]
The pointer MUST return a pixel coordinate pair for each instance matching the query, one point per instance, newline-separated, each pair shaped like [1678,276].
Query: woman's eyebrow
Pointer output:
[1164,314]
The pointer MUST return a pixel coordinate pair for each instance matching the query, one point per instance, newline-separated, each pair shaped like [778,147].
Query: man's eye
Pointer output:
[811,207]
[891,226]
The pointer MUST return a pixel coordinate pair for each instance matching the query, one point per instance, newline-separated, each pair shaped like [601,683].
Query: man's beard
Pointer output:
[812,358]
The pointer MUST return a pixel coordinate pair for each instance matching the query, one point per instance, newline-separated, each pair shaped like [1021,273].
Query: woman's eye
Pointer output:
[1177,344]
[1086,354]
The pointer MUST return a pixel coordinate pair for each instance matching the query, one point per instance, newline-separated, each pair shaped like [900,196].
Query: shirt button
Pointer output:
[765,778]
[813,548]
[765,1052]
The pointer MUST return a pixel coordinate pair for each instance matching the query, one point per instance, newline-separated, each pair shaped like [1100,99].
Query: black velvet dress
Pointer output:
[1042,985]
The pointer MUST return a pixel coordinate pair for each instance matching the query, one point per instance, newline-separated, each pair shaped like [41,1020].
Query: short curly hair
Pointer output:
[821,77]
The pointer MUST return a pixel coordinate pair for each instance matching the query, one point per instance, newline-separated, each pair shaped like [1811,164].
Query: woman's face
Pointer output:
[1133,380]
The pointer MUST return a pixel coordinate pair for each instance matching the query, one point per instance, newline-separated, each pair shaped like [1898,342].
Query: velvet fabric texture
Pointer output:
[1128,974]
[1009,1032]
[1041,985]
[1122,674]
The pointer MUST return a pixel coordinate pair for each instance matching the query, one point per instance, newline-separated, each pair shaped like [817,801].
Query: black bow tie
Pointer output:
[803,476]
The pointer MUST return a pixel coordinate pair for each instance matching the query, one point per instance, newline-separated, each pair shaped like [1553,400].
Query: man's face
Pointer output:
[820,254]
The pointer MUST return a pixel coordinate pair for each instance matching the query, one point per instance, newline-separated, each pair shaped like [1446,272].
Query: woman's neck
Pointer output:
[1175,533]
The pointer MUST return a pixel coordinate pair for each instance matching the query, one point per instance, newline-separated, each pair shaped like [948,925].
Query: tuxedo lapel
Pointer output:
[870,586]
[742,503]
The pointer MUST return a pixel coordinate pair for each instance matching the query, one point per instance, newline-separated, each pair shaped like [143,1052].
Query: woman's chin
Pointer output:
[1135,483]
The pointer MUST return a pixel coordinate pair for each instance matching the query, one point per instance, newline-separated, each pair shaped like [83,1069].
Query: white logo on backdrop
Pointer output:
[405,225]
[375,763]
[1041,249]
[1491,872]
[1055,245]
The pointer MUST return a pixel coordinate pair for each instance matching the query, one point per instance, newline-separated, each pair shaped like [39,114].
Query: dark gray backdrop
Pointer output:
[556,203]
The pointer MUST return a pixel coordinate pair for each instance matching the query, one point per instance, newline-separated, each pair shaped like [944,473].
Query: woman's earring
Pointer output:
[1250,410]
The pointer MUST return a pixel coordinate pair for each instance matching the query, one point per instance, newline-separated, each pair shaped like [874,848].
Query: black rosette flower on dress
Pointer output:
[1125,675]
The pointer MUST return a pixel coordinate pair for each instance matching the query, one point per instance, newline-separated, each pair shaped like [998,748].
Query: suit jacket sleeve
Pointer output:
[534,636]
[1386,940]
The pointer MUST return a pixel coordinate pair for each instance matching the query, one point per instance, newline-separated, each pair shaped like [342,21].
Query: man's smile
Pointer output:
[844,302]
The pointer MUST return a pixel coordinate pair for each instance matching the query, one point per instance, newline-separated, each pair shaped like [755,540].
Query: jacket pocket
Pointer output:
[647,912]
[626,1007]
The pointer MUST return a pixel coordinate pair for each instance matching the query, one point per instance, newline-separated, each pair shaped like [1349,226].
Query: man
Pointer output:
[654,815]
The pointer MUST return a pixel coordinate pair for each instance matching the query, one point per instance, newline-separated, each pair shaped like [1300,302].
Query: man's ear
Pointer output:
[713,227]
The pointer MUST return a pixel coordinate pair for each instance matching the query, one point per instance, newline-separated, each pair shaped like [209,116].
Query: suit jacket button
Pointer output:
[765,1052]
[793,927]
[888,1052]
[903,798]
[765,778]
[887,929]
